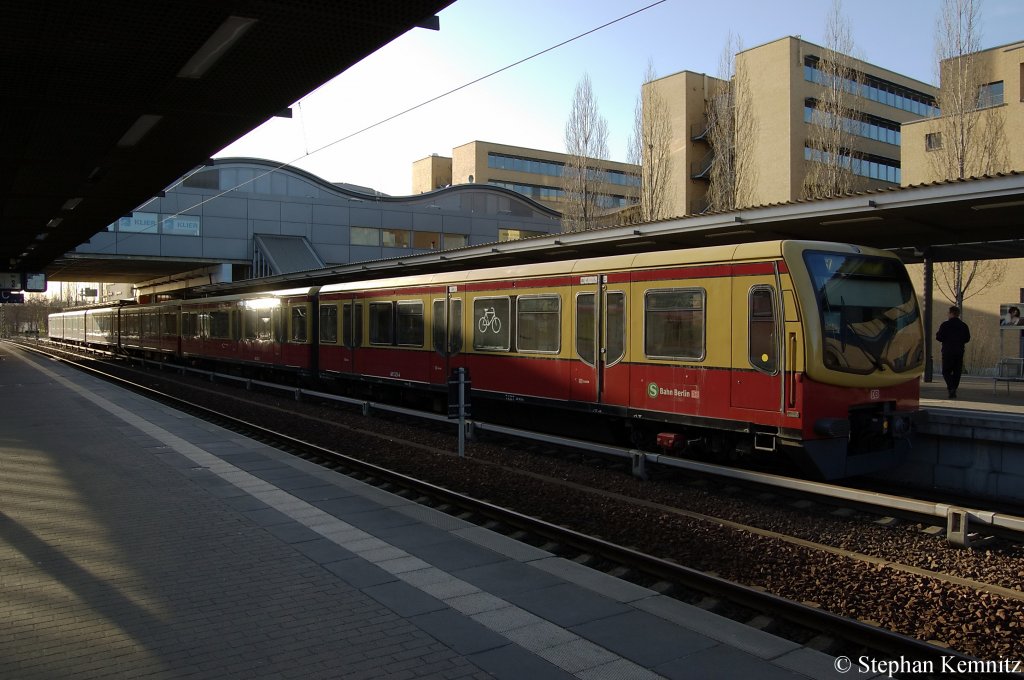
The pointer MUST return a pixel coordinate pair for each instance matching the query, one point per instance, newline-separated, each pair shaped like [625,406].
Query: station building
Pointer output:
[783,81]
[994,118]
[242,218]
[997,96]
[531,172]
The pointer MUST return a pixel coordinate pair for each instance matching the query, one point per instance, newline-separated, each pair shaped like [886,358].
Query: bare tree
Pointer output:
[959,281]
[732,128]
[649,149]
[586,138]
[970,140]
[831,170]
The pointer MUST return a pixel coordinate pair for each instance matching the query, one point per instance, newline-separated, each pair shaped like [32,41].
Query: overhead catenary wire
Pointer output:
[404,112]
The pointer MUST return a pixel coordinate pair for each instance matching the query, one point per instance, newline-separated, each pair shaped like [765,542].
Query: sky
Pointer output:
[529,103]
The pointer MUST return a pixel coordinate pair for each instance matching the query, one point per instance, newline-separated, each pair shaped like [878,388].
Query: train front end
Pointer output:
[863,357]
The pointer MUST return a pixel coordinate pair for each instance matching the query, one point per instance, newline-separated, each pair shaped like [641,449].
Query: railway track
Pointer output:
[656,558]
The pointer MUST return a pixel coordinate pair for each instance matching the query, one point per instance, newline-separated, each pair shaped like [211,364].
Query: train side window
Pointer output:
[410,323]
[170,324]
[437,327]
[585,327]
[492,321]
[762,353]
[616,324]
[539,323]
[382,323]
[299,324]
[329,324]
[248,323]
[351,334]
[220,325]
[277,325]
[674,323]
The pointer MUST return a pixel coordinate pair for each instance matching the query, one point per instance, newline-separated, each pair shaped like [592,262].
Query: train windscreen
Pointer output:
[868,313]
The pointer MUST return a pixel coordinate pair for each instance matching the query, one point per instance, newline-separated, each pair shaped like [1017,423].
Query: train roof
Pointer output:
[722,253]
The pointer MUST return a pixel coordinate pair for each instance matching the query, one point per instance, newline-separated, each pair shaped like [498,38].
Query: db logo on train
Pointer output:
[875,394]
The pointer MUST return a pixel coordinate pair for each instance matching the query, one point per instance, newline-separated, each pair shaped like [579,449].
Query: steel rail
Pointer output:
[874,638]
[958,519]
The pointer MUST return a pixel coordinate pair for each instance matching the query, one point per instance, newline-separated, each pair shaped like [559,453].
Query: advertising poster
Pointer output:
[1010,315]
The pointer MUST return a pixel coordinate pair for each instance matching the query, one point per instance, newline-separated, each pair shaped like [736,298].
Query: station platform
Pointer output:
[976,393]
[136,541]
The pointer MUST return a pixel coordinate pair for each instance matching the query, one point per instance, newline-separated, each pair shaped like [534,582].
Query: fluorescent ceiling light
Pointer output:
[55,222]
[991,206]
[71,203]
[139,129]
[852,220]
[723,234]
[216,47]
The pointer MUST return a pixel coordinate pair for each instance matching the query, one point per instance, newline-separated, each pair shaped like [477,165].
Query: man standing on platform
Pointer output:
[953,334]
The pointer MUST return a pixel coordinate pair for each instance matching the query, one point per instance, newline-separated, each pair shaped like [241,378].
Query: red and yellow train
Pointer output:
[805,349]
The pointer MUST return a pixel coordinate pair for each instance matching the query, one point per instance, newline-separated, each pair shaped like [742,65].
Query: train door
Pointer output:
[446,335]
[599,313]
[351,333]
[757,352]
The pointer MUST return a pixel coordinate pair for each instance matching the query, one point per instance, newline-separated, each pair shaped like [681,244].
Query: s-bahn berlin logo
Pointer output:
[687,391]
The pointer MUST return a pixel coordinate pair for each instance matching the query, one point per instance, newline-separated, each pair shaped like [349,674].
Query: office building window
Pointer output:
[364,236]
[516,234]
[933,141]
[990,94]
[872,167]
[876,90]
[426,240]
[207,179]
[394,238]
[863,125]
[455,241]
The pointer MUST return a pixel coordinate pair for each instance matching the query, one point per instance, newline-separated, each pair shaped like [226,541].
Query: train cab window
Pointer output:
[351,327]
[382,323]
[674,323]
[762,331]
[539,323]
[450,327]
[329,324]
[410,323]
[299,325]
[492,321]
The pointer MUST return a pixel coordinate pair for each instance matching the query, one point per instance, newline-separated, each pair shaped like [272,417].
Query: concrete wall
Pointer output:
[980,456]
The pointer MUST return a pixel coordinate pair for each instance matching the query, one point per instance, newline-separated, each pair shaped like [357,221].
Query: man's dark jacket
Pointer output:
[953,334]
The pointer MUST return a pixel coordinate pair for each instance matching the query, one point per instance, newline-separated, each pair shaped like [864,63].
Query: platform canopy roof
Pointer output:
[975,219]
[107,103]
